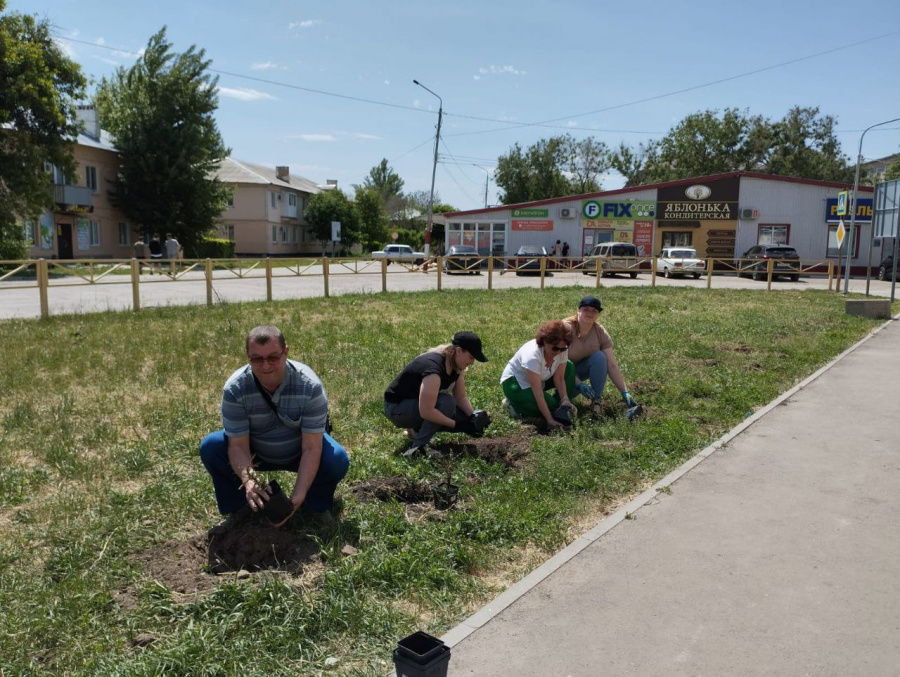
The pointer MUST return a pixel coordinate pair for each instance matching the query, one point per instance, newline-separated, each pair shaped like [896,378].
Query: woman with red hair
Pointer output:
[537,367]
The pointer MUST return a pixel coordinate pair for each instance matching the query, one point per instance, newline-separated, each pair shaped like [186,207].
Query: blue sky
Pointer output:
[511,63]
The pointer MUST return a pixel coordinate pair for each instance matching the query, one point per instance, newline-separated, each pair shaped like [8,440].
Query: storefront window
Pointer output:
[773,234]
[676,239]
[833,243]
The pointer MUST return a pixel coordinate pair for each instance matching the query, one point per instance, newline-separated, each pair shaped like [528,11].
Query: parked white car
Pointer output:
[679,261]
[399,253]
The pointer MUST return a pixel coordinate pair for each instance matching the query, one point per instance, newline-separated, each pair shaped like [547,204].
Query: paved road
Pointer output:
[776,552]
[115,292]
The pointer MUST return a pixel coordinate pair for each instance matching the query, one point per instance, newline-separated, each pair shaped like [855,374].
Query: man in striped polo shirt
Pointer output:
[274,413]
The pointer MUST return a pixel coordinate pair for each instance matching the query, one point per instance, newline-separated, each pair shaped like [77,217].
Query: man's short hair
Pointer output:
[262,334]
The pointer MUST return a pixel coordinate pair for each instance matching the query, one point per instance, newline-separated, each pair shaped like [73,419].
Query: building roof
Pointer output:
[105,142]
[654,186]
[240,171]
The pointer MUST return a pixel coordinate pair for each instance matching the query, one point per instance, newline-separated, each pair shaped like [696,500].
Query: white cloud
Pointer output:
[308,23]
[100,41]
[500,70]
[363,135]
[245,94]
[263,66]
[572,123]
[387,82]
[315,138]
[476,77]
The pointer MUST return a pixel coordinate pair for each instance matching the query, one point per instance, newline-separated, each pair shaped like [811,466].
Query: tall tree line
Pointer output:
[802,144]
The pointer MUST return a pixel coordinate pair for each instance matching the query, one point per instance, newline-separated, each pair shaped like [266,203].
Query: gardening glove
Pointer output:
[481,420]
[628,399]
[467,426]
[585,389]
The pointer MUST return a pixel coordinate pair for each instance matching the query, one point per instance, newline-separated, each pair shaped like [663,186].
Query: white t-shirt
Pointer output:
[530,357]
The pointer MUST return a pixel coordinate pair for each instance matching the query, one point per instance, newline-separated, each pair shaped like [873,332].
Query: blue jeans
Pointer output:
[593,368]
[229,494]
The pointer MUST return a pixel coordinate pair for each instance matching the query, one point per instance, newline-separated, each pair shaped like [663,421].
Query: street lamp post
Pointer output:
[853,213]
[487,174]
[437,140]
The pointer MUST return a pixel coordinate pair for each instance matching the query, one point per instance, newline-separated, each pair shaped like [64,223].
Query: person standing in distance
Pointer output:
[274,413]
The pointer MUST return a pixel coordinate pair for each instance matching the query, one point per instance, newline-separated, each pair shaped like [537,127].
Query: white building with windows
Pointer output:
[265,215]
[83,222]
[721,216]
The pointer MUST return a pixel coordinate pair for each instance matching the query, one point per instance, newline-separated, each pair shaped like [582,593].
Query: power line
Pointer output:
[274,83]
[683,91]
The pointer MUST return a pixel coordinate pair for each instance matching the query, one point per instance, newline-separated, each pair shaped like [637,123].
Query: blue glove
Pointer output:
[629,400]
[586,390]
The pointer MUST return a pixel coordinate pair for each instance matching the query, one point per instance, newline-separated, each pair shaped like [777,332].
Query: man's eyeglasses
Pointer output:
[559,349]
[271,359]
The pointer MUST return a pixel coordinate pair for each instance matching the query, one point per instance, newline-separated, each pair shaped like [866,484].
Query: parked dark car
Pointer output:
[886,268]
[528,259]
[463,258]
[785,259]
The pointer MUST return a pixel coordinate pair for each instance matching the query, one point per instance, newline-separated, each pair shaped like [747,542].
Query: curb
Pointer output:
[481,617]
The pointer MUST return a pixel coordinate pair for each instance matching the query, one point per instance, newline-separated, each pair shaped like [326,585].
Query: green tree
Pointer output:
[891,172]
[709,143]
[535,174]
[587,160]
[804,145]
[634,164]
[387,183]
[372,221]
[161,113]
[332,205]
[38,89]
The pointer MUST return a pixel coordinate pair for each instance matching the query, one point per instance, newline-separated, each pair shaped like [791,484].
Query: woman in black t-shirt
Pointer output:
[429,395]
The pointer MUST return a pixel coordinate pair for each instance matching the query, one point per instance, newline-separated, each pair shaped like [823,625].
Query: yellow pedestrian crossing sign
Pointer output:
[842,203]
[841,232]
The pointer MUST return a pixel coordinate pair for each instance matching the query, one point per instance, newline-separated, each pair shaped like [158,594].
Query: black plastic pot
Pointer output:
[279,507]
[445,495]
[421,655]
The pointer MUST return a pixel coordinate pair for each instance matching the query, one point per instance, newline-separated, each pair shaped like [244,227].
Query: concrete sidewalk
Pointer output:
[776,552]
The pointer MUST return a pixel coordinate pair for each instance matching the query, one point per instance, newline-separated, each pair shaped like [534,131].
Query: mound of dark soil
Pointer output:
[391,489]
[510,451]
[190,566]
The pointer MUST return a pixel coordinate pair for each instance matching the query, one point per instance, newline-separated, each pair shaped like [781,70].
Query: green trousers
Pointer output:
[522,400]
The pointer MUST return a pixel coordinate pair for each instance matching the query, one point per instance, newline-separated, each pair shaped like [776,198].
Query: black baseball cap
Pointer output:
[591,301]
[469,341]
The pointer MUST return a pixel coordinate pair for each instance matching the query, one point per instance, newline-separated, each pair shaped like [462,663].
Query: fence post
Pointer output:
[599,271]
[384,264]
[830,273]
[135,284]
[43,280]
[710,263]
[653,263]
[268,278]
[490,273]
[325,273]
[209,288]
[543,269]
[438,261]
[770,265]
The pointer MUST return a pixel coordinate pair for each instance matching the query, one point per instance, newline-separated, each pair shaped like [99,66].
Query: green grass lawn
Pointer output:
[101,416]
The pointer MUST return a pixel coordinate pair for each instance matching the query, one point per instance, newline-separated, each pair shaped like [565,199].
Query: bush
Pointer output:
[12,242]
[214,248]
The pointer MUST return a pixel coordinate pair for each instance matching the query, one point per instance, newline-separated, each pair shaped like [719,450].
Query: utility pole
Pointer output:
[437,140]
[487,174]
